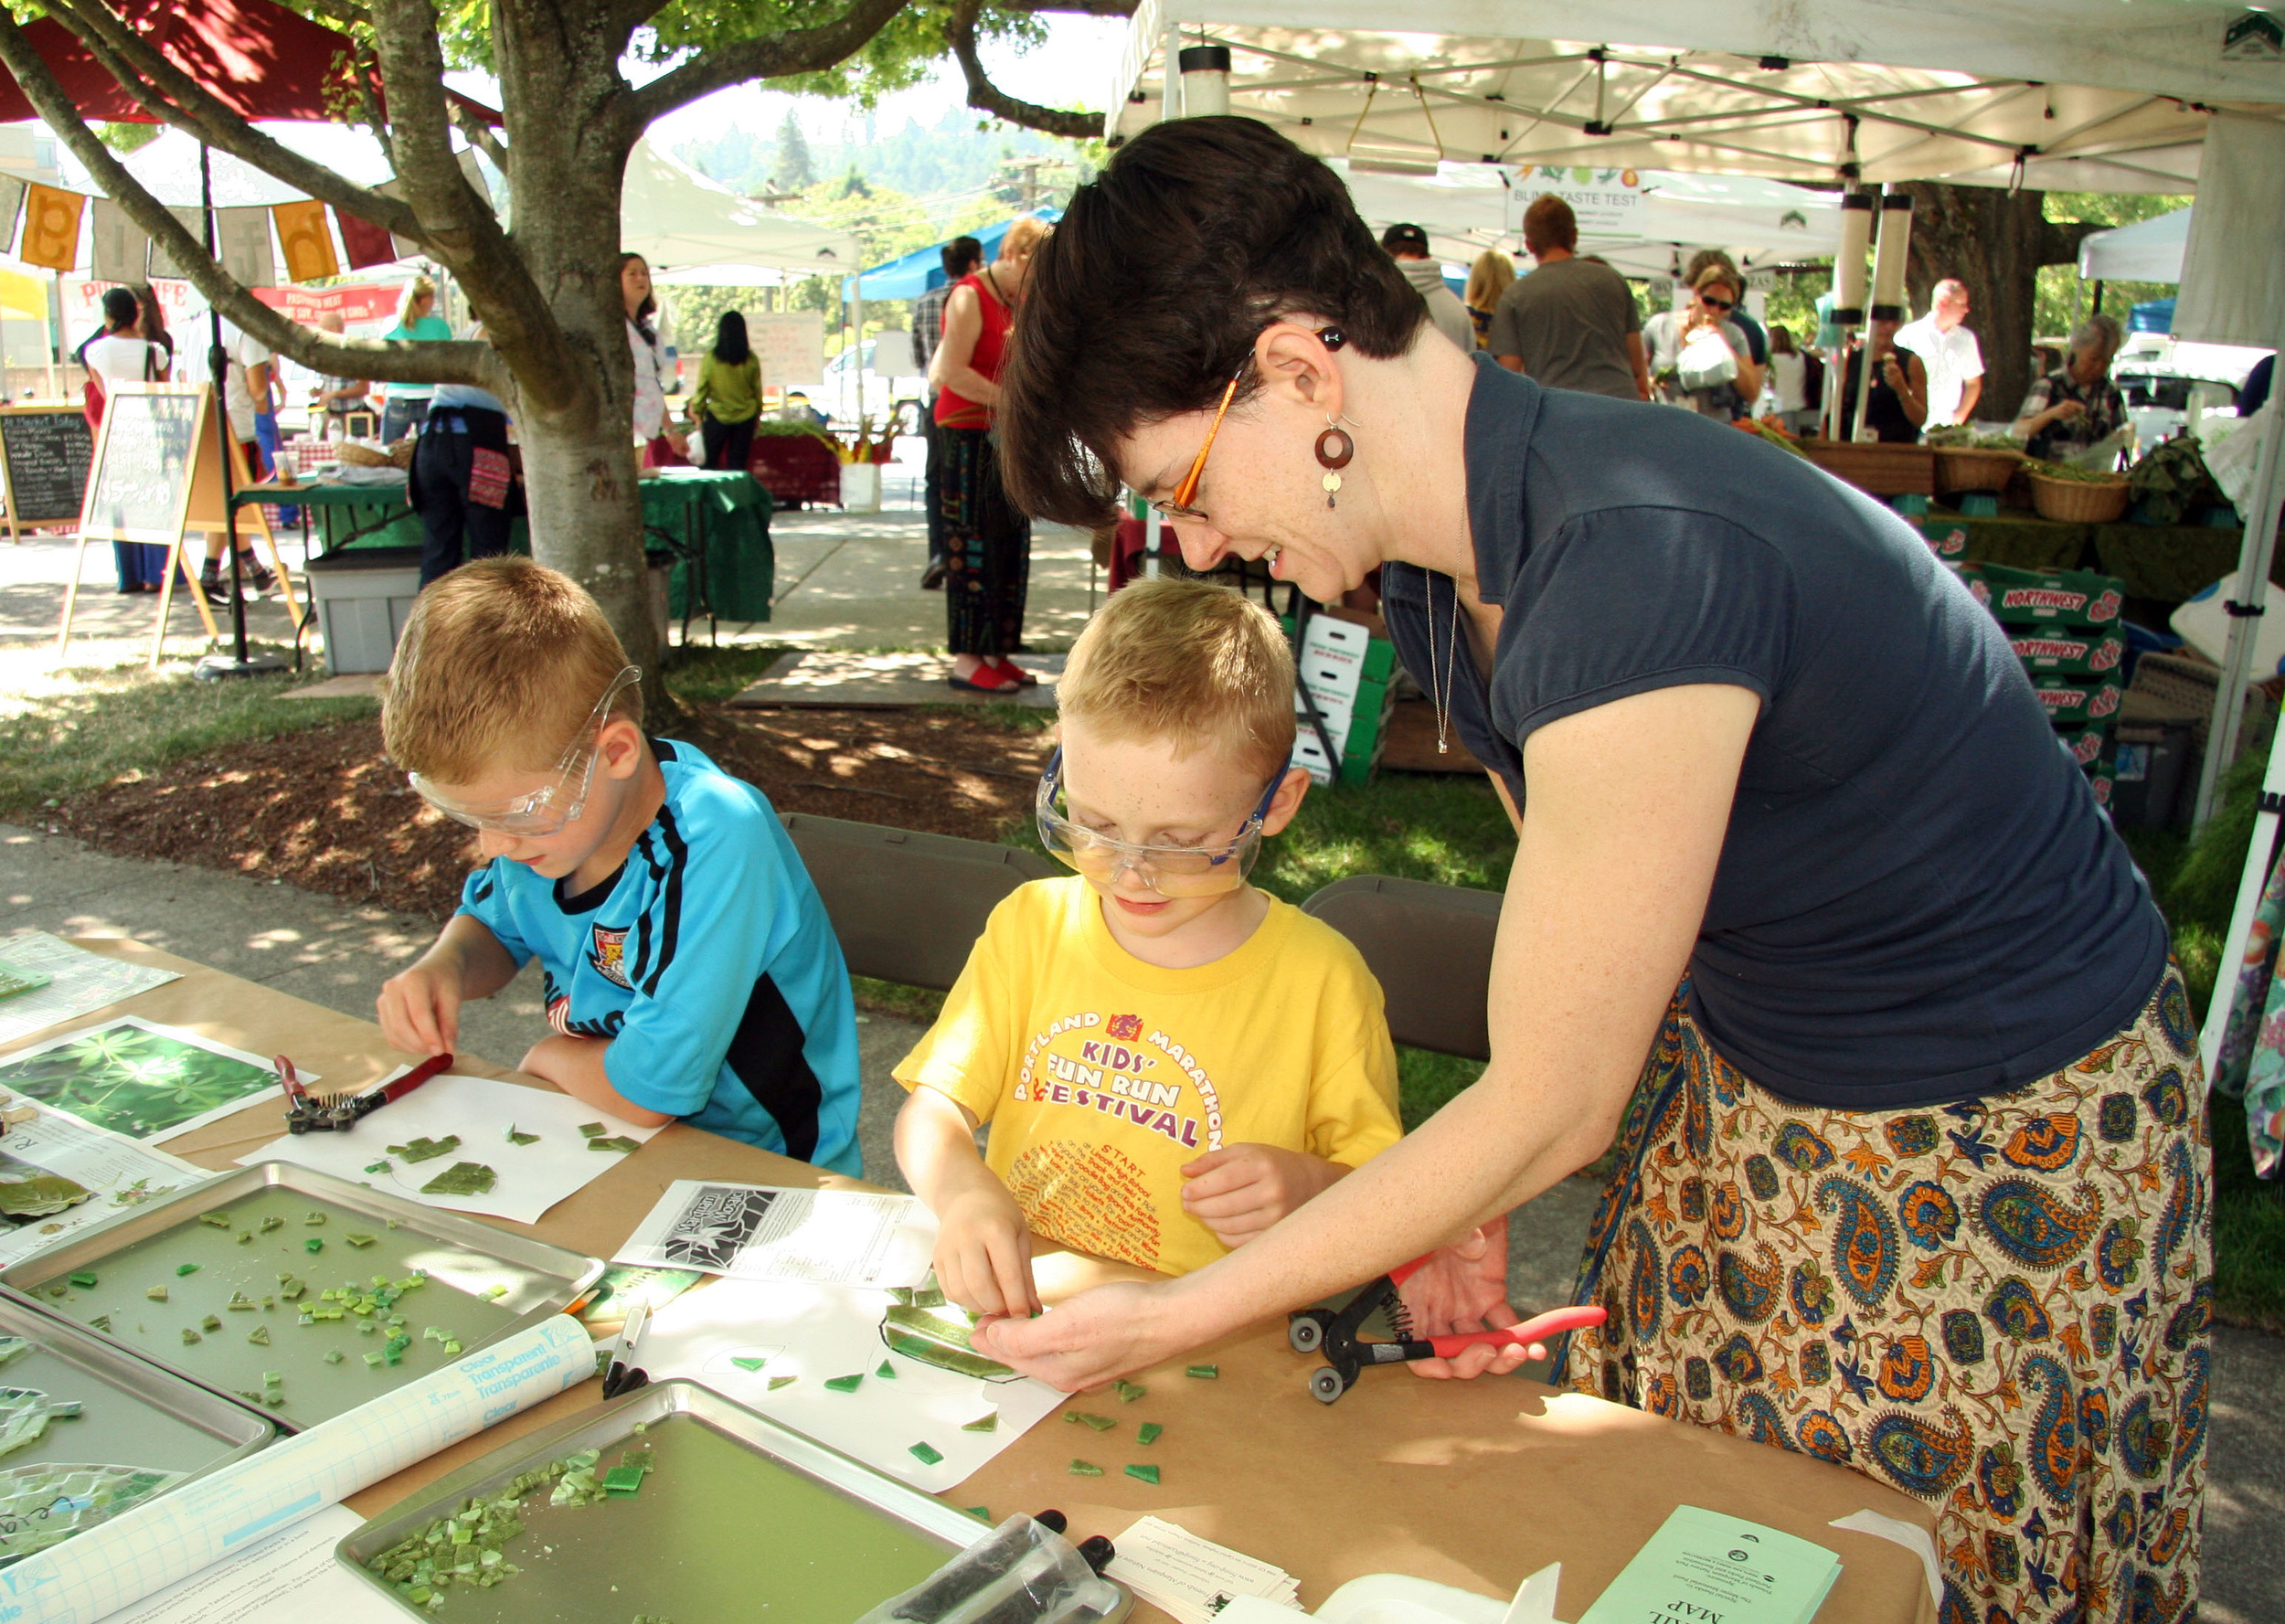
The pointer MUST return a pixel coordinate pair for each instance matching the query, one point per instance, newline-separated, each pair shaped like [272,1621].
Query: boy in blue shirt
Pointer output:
[691,972]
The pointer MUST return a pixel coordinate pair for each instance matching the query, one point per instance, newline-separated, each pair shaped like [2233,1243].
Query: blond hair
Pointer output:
[1024,234]
[1188,663]
[1488,278]
[419,287]
[499,663]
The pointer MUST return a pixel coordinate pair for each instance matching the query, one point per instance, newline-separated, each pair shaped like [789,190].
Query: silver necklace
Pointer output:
[1441,694]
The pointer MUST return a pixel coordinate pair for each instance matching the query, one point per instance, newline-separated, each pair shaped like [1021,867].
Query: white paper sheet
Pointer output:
[289,1578]
[1183,1574]
[762,1232]
[83,982]
[181,1533]
[817,1333]
[531,1178]
[121,1173]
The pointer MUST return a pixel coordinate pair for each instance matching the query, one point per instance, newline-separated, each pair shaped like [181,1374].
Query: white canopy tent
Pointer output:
[2147,251]
[678,219]
[1468,207]
[2062,94]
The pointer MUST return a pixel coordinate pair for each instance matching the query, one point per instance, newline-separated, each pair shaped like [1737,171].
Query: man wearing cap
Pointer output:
[1408,246]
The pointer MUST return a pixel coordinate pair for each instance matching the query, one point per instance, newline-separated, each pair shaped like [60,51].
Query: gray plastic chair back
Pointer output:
[1430,946]
[906,905]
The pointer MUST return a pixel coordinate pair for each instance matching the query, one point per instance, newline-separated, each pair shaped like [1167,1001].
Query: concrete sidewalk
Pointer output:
[337,955]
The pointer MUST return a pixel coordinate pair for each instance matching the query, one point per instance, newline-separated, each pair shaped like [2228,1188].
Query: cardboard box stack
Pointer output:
[1350,675]
[2064,626]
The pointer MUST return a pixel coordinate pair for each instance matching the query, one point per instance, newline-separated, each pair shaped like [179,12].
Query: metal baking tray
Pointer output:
[463,1257]
[739,1519]
[135,1415]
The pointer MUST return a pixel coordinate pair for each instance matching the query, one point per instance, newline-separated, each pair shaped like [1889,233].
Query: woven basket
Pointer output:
[2078,501]
[1961,470]
[1870,466]
[359,455]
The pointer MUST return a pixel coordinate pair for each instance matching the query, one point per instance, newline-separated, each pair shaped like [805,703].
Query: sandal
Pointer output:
[1005,684]
[1008,667]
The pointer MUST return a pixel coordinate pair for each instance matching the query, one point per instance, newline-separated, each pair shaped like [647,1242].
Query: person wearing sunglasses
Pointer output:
[1170,1059]
[691,972]
[1700,357]
[1812,926]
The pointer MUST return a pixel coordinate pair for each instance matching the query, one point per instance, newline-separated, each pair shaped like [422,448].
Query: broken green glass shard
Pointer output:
[619,1142]
[517,1137]
[1148,1474]
[358,1240]
[190,1336]
[332,1356]
[926,1454]
[314,1218]
[1084,1468]
[211,1323]
[982,1513]
[747,1364]
[101,1322]
[1205,1372]
[425,1149]
[380,1167]
[1148,1433]
[462,1178]
[939,1337]
[220,1220]
[778,1381]
[157,1294]
[887,1371]
[44,1505]
[313,1246]
[844,1384]
[1093,1423]
[185,1268]
[987,1422]
[622,1479]
[25,1413]
[270,1223]
[82,1278]
[13,1348]
[239,1304]
[1128,1392]
[245,1237]
[259,1336]
[592,1129]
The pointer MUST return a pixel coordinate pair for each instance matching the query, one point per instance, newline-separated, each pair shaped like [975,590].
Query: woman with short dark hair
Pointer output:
[1809,911]
[728,399]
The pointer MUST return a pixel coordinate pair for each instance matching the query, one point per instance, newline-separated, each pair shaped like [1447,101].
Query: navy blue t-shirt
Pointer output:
[1918,899]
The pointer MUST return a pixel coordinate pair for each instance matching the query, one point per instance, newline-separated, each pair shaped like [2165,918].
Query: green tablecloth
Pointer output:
[2170,562]
[727,514]
[2018,541]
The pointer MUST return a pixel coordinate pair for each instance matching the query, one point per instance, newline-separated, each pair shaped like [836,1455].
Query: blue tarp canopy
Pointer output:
[923,268]
[2156,315]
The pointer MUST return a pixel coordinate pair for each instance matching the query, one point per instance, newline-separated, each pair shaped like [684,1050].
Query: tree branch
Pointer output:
[480,136]
[795,50]
[391,363]
[133,60]
[369,104]
[959,32]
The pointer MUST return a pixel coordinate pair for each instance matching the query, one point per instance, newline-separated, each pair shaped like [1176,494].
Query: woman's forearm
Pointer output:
[970,385]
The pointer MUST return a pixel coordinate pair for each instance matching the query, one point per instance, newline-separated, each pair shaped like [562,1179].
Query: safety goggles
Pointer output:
[543,812]
[1171,871]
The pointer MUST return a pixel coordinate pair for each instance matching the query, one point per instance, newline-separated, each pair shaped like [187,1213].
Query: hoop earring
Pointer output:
[1334,456]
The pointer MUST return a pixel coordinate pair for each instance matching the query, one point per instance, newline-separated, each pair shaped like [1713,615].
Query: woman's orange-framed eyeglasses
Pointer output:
[1177,506]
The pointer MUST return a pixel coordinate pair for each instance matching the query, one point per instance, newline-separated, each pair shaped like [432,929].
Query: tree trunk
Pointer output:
[1994,240]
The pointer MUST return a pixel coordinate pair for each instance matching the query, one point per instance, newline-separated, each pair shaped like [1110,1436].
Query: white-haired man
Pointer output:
[1954,362]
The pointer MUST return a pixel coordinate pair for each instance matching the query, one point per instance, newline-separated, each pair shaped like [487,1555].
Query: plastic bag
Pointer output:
[1021,1573]
[1707,360]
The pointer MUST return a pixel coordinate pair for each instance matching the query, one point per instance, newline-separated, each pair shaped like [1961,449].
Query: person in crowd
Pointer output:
[1712,304]
[796,409]
[728,401]
[1788,379]
[337,397]
[988,539]
[1488,278]
[246,379]
[1761,948]
[664,445]
[1757,340]
[2076,406]
[1896,408]
[405,406]
[1953,359]
[961,257]
[150,325]
[1178,734]
[1571,324]
[1408,246]
[461,481]
[2254,393]
[117,354]
[691,972]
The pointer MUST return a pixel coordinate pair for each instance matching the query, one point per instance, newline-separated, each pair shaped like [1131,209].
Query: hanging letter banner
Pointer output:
[368,244]
[162,262]
[11,201]
[119,249]
[307,245]
[242,244]
[51,229]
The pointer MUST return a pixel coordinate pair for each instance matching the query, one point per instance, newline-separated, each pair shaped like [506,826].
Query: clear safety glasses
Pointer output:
[1171,871]
[546,811]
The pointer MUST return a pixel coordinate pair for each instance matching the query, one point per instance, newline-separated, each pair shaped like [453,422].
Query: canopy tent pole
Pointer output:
[54,342]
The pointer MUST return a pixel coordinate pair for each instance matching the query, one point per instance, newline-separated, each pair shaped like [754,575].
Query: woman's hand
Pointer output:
[1098,1335]
[1461,1289]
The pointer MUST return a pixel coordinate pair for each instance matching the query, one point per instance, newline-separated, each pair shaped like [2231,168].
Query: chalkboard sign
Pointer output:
[152,442]
[44,457]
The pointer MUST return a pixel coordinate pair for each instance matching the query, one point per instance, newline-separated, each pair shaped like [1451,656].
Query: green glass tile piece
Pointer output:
[270,1223]
[515,1136]
[748,1363]
[1205,1372]
[358,1240]
[592,1129]
[220,1220]
[618,1143]
[380,1167]
[987,1422]
[157,1294]
[374,1360]
[190,1336]
[312,1219]
[313,1245]
[1148,1474]
[1084,1469]
[1128,1392]
[1094,1423]
[982,1513]
[185,1268]
[887,1371]
[259,1336]
[332,1356]
[1148,1433]
[211,1323]
[425,1149]
[844,1384]
[778,1381]
[622,1479]
[81,1279]
[926,1454]
[462,1178]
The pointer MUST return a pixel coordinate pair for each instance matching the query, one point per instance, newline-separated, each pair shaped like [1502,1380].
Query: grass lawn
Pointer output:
[101,726]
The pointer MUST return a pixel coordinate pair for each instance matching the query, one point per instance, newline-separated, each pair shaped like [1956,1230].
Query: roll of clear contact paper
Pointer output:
[1888,256]
[1849,282]
[117,1564]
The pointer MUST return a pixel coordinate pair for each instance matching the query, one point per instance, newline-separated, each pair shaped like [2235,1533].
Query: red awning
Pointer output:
[258,58]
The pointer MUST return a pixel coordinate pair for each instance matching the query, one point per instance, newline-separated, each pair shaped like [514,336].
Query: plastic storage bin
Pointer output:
[363,596]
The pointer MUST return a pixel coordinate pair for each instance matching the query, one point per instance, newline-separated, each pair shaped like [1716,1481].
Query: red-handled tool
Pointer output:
[1335,1335]
[307,1113]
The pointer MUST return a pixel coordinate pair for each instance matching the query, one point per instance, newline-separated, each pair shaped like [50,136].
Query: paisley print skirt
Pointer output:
[1999,1307]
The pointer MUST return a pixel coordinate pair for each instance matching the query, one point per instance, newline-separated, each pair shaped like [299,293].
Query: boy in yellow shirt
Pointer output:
[1170,1060]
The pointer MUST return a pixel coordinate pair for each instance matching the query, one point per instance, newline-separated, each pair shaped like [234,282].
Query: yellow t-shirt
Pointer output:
[1102,1074]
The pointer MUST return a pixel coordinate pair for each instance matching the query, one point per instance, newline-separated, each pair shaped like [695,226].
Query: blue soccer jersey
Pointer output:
[707,962]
